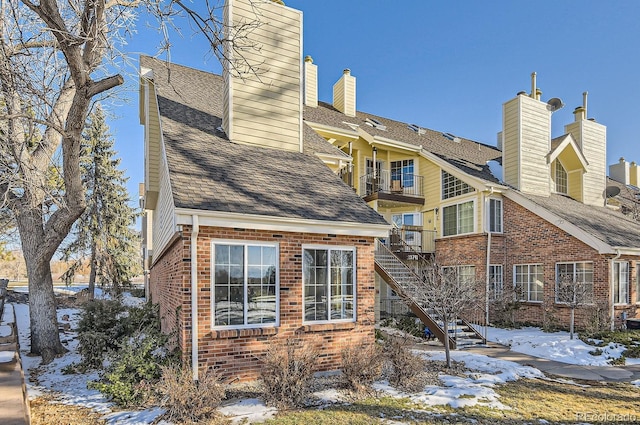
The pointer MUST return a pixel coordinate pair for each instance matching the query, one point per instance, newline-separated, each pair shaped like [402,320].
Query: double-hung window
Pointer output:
[458,219]
[245,284]
[528,282]
[562,185]
[495,215]
[620,282]
[574,282]
[329,281]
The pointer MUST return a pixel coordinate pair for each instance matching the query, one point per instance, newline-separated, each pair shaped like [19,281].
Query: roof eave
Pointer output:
[285,224]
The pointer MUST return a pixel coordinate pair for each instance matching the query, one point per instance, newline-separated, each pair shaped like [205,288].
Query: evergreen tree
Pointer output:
[103,232]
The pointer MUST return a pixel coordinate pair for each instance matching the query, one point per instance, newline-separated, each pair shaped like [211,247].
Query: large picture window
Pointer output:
[457,219]
[528,281]
[245,284]
[453,186]
[574,282]
[329,280]
[620,282]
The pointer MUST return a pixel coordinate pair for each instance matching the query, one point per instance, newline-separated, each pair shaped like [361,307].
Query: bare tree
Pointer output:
[573,290]
[56,59]
[448,292]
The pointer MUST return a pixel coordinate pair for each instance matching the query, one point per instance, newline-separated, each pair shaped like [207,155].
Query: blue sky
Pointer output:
[450,66]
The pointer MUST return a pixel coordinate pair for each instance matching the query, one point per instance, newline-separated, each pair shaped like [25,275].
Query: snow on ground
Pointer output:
[476,387]
[554,346]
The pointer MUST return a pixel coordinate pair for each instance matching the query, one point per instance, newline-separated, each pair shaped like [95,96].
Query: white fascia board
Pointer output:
[595,243]
[627,251]
[333,159]
[283,224]
[349,134]
[568,141]
[383,141]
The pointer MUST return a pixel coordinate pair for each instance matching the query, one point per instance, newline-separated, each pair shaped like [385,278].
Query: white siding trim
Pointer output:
[284,224]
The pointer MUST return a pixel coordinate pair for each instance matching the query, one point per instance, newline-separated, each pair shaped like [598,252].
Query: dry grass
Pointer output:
[45,412]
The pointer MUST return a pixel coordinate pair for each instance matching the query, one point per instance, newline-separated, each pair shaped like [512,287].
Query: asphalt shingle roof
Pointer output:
[611,227]
[208,172]
[467,155]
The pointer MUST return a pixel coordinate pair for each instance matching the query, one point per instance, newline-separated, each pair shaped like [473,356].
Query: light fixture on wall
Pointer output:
[436,210]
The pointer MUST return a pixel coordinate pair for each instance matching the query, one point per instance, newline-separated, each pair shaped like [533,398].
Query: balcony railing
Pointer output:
[405,184]
[412,238]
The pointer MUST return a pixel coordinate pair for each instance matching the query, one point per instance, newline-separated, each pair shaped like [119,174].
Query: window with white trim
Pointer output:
[528,282]
[453,186]
[561,179]
[402,171]
[620,282]
[495,215]
[458,219]
[574,280]
[245,284]
[329,281]
[496,286]
[463,274]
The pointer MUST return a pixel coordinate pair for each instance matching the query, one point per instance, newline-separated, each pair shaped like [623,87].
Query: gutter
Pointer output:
[194,295]
[612,310]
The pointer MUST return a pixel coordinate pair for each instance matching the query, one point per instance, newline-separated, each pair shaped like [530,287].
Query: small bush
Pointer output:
[406,369]
[361,366]
[288,369]
[134,367]
[137,292]
[186,400]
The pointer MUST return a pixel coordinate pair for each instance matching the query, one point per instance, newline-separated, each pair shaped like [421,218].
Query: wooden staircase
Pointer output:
[401,278]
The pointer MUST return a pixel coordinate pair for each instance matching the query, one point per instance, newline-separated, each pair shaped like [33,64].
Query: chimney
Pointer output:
[591,137]
[633,174]
[526,141]
[620,172]
[310,82]
[344,94]
[263,106]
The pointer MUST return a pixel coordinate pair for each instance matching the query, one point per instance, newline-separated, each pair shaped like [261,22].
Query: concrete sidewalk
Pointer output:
[565,370]
[13,406]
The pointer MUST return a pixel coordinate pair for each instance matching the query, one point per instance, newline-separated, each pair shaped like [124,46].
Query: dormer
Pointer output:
[568,166]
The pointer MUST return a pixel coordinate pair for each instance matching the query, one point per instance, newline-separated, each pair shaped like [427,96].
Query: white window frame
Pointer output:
[527,291]
[558,178]
[622,287]
[452,187]
[245,245]
[574,276]
[496,281]
[457,205]
[330,248]
[459,270]
[495,222]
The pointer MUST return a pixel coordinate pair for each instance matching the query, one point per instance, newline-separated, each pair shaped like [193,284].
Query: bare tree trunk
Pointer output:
[92,274]
[571,325]
[447,349]
[45,339]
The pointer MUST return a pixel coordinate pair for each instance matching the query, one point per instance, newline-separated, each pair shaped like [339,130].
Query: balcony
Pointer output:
[410,240]
[394,190]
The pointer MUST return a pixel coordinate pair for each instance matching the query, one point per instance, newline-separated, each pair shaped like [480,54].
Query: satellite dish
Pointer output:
[612,191]
[554,104]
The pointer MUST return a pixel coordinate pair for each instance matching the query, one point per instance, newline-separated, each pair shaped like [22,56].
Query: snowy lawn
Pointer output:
[556,346]
[474,388]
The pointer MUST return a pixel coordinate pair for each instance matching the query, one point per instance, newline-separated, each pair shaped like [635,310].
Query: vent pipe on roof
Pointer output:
[533,85]
[584,102]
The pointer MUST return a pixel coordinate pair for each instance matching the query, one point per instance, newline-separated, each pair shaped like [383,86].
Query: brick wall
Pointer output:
[236,353]
[528,239]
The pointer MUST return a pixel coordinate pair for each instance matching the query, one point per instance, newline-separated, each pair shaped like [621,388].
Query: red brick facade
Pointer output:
[529,239]
[236,353]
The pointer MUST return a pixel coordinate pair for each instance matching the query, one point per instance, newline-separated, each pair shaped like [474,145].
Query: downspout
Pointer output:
[194,295]
[612,310]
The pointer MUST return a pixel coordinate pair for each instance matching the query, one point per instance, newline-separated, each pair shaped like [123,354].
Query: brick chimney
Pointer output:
[344,94]
[264,108]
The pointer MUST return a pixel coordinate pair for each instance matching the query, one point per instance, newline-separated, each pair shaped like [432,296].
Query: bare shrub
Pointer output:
[406,368]
[187,400]
[361,366]
[596,318]
[287,372]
